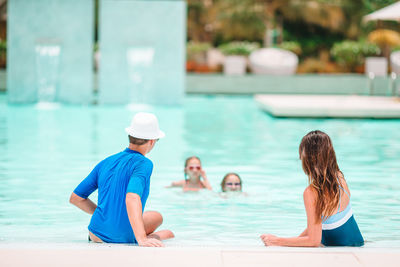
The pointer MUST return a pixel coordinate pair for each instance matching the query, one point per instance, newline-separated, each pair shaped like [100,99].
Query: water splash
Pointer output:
[139,107]
[47,66]
[140,63]
[47,106]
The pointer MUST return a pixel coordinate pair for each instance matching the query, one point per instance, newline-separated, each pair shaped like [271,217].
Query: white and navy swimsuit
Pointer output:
[341,228]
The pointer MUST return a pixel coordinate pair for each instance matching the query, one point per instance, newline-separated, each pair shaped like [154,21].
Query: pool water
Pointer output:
[45,153]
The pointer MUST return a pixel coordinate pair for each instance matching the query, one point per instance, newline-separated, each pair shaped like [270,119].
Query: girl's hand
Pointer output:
[205,181]
[203,174]
[270,240]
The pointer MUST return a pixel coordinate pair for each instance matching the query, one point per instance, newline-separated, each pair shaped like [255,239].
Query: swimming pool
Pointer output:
[44,154]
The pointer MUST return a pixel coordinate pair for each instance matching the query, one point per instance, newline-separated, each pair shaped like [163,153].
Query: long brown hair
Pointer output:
[319,163]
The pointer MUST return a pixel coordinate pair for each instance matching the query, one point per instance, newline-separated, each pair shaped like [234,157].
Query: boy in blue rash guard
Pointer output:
[123,182]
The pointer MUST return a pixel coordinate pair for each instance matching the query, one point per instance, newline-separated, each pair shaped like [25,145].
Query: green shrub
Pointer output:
[238,48]
[291,46]
[370,50]
[197,47]
[396,48]
[196,51]
[3,53]
[351,54]
[3,46]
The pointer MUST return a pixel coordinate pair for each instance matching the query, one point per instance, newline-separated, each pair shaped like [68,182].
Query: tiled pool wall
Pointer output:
[343,84]
[51,46]
[297,84]
[67,25]
[144,60]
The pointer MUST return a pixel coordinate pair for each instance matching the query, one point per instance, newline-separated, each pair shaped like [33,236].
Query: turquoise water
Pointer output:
[44,154]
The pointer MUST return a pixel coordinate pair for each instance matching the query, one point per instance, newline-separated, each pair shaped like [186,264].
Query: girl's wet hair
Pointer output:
[319,163]
[189,158]
[226,177]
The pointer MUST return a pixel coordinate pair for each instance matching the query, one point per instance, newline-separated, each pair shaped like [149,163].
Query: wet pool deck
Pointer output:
[330,106]
[120,255]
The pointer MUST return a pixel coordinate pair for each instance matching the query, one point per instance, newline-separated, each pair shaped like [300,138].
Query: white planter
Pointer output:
[273,61]
[395,62]
[376,66]
[215,58]
[235,65]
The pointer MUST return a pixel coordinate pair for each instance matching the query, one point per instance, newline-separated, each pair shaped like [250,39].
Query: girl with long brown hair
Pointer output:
[330,220]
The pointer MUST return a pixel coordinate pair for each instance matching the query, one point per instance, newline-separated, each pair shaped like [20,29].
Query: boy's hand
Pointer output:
[150,242]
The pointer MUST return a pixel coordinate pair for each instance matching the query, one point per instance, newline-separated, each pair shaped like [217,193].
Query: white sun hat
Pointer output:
[145,126]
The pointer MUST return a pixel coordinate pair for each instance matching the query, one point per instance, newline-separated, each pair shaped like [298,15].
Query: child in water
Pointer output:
[195,176]
[231,183]
[330,219]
